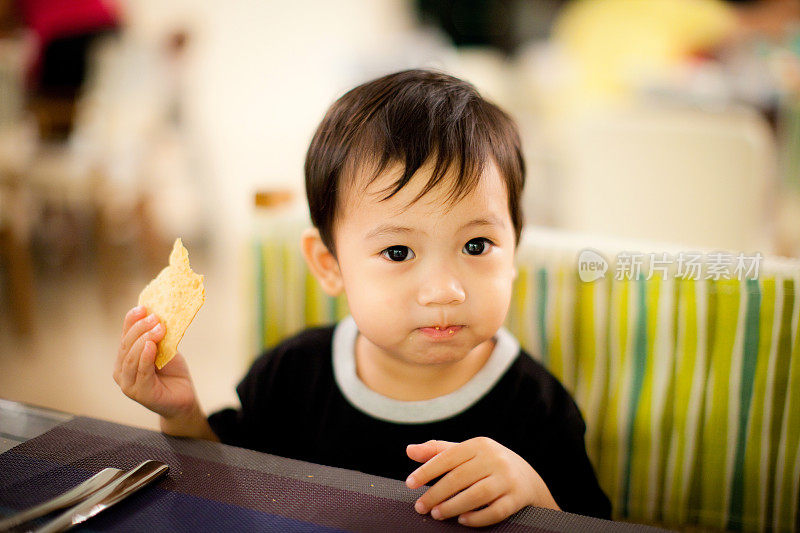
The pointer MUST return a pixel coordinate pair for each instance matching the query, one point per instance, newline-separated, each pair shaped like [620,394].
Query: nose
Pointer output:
[441,288]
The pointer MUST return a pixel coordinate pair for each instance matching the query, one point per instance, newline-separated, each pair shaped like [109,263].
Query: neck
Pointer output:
[400,380]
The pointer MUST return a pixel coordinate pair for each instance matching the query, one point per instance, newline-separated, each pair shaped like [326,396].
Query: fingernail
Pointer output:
[411,481]
[152,318]
[138,309]
[436,513]
[462,520]
[419,507]
[158,328]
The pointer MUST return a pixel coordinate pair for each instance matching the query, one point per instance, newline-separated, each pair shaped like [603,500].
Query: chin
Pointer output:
[440,355]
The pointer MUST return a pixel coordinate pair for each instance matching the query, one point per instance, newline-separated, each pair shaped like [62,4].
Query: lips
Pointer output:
[440,332]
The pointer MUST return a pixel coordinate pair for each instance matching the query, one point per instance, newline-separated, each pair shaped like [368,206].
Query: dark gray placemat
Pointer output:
[213,487]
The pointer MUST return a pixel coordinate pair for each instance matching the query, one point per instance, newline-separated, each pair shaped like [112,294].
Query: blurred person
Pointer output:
[414,184]
[63,34]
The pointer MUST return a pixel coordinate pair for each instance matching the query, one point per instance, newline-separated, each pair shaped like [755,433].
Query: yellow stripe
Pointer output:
[686,409]
[612,443]
[556,356]
[715,491]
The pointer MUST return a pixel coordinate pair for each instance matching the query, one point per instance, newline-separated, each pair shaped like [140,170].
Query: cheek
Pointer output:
[371,290]
[492,287]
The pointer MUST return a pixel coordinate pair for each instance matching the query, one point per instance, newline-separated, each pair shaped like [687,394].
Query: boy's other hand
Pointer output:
[169,391]
[477,472]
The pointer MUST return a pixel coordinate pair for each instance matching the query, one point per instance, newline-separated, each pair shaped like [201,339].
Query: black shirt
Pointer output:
[292,406]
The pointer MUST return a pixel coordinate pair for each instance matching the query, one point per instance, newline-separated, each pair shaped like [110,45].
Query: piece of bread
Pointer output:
[175,296]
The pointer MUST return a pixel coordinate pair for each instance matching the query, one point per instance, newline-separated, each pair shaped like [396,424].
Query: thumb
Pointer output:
[427,450]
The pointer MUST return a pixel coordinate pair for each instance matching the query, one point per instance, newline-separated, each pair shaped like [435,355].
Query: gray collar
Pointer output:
[415,412]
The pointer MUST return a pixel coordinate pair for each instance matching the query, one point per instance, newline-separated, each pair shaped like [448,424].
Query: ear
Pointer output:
[321,262]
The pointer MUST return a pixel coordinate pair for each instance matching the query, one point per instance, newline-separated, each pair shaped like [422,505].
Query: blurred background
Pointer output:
[125,124]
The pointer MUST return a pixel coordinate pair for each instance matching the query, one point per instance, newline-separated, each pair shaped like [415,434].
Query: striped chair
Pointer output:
[690,388]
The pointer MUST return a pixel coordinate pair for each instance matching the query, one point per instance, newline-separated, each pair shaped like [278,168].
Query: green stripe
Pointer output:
[749,360]
[642,424]
[753,509]
[639,367]
[542,314]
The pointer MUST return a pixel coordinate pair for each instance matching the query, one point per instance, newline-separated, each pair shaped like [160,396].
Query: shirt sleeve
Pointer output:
[242,427]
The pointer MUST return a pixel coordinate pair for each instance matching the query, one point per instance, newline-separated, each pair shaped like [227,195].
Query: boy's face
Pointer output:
[426,282]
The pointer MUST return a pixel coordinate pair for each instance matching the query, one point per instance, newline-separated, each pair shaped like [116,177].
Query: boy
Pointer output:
[413,184]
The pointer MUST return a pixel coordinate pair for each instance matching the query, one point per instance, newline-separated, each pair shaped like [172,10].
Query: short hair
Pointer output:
[411,117]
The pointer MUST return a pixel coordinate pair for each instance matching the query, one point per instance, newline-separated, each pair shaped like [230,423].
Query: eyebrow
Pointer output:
[387,230]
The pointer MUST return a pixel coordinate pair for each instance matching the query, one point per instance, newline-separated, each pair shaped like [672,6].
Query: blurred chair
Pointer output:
[690,388]
[698,177]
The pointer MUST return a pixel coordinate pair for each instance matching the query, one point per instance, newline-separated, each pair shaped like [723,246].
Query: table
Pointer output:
[215,487]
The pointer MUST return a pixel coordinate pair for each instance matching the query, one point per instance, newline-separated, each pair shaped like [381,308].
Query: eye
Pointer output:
[398,253]
[478,246]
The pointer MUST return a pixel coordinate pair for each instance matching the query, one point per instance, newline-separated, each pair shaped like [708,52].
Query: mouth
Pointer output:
[441,332]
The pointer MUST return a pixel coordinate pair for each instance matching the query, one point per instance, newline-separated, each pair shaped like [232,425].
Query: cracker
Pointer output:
[175,296]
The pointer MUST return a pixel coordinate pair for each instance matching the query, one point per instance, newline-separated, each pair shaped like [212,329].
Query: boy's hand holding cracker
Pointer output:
[476,473]
[169,391]
[150,341]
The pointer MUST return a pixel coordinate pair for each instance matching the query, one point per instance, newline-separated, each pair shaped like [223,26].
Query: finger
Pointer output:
[137,329]
[498,510]
[131,318]
[441,463]
[146,371]
[481,493]
[133,315]
[423,452]
[460,478]
[130,365]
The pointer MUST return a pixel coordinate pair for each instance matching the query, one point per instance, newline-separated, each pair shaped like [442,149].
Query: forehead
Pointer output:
[365,198]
